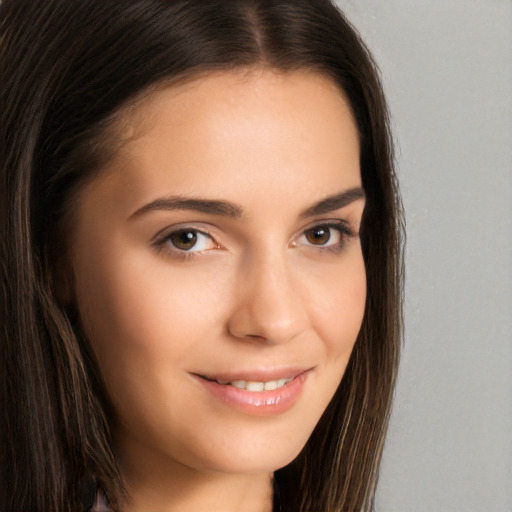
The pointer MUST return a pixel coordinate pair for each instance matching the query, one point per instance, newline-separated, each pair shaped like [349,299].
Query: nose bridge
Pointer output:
[269,303]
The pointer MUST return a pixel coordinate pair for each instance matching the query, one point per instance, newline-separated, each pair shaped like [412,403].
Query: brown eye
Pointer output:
[184,239]
[319,235]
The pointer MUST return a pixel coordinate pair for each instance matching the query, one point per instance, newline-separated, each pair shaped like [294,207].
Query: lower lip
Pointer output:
[258,403]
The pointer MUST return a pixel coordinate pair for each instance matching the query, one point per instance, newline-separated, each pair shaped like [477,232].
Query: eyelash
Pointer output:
[162,242]
[344,233]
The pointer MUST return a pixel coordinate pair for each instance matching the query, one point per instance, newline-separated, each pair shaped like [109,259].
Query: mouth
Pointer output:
[252,385]
[260,393]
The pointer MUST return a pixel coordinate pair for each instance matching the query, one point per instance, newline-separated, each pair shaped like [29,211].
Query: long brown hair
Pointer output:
[68,71]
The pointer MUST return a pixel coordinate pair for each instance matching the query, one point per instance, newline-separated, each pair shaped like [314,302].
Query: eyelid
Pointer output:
[341,225]
[171,228]
[159,241]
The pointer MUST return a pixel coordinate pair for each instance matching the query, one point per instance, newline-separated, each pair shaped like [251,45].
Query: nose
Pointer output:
[268,304]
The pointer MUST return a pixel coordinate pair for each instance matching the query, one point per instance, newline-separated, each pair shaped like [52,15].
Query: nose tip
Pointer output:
[269,307]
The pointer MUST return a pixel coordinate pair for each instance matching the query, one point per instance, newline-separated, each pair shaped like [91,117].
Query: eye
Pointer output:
[326,236]
[186,240]
[322,235]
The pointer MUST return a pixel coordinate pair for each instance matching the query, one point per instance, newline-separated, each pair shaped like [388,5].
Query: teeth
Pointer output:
[273,384]
[258,386]
[255,386]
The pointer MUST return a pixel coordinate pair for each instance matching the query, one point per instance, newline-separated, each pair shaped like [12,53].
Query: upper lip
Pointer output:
[257,374]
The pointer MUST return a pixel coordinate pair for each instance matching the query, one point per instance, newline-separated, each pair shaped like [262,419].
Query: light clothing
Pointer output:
[100,503]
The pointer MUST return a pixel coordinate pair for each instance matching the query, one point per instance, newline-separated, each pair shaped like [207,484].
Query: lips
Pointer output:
[263,392]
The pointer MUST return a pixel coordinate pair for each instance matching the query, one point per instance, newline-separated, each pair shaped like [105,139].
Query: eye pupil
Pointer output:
[184,239]
[318,235]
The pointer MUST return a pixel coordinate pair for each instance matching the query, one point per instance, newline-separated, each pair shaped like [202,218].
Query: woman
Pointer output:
[200,257]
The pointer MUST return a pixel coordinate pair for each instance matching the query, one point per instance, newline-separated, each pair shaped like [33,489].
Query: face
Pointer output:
[217,269]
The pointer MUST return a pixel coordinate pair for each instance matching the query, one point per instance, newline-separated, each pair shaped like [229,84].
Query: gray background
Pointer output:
[447,70]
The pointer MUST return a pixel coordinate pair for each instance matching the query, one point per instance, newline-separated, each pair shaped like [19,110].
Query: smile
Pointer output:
[257,394]
[254,386]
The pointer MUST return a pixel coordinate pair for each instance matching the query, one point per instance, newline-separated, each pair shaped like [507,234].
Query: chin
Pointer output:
[251,453]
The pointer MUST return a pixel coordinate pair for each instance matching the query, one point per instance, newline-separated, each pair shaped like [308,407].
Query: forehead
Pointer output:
[229,133]
[220,89]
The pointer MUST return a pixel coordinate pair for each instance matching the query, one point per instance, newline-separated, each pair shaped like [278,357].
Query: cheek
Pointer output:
[142,317]
[339,309]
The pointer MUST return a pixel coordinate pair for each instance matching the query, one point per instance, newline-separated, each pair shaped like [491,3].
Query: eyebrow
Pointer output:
[228,209]
[215,207]
[335,202]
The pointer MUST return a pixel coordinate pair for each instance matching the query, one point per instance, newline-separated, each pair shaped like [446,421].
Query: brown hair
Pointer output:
[67,69]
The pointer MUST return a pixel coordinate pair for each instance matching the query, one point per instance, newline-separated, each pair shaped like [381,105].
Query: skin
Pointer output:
[257,291]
